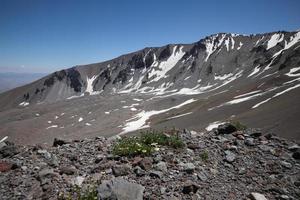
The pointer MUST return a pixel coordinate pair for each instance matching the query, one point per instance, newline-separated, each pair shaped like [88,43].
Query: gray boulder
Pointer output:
[120,189]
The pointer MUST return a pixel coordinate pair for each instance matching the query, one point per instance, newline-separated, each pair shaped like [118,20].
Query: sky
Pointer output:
[42,36]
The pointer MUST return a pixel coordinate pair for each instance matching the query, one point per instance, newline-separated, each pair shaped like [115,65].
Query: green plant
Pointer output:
[90,193]
[145,144]
[204,156]
[175,142]
[154,137]
[238,125]
[131,146]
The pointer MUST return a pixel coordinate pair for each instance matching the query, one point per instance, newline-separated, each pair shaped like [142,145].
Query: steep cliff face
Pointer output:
[218,72]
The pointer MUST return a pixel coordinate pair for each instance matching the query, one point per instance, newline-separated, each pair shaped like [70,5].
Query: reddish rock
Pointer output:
[146,163]
[5,166]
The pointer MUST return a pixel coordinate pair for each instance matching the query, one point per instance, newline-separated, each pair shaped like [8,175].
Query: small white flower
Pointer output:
[138,144]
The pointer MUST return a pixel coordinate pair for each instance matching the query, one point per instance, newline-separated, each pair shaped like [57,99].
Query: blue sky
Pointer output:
[44,36]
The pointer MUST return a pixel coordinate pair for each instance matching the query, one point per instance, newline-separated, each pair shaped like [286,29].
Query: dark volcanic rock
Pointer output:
[296,155]
[8,151]
[59,142]
[190,187]
[226,128]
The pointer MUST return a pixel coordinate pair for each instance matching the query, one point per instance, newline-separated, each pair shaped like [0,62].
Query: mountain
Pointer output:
[10,80]
[249,78]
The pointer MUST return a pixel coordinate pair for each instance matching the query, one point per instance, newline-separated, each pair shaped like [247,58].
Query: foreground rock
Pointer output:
[120,189]
[215,165]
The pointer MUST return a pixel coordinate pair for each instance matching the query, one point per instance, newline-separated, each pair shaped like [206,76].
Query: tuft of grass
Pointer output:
[204,156]
[238,125]
[90,193]
[175,142]
[145,144]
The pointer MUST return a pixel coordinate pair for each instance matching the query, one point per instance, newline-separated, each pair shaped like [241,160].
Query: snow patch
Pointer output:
[210,45]
[255,71]
[292,71]
[274,40]
[247,94]
[259,40]
[187,78]
[3,139]
[53,126]
[177,116]
[24,103]
[142,117]
[213,125]
[133,109]
[165,66]
[225,76]
[240,46]
[89,82]
[276,95]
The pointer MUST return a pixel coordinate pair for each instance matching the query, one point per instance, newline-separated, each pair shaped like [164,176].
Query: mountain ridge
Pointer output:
[220,77]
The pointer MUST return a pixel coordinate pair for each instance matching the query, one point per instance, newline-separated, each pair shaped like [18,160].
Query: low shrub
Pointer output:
[145,144]
[238,125]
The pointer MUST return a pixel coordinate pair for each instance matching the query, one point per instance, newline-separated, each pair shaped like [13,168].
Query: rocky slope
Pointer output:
[220,164]
[249,78]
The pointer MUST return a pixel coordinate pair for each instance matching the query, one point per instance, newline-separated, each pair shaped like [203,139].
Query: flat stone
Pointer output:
[121,170]
[68,170]
[202,176]
[249,142]
[47,172]
[188,167]
[161,166]
[229,156]
[257,196]
[286,164]
[120,189]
